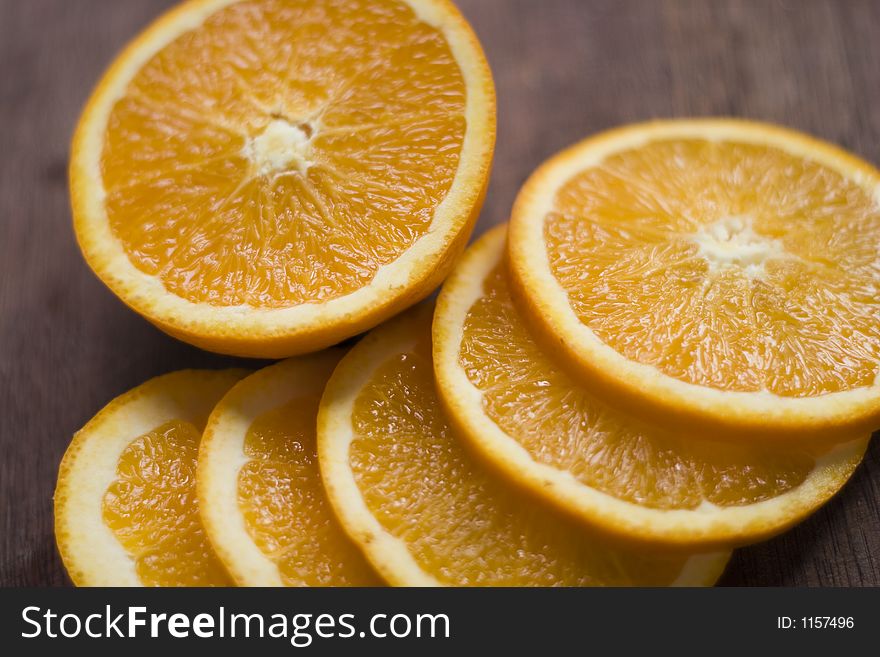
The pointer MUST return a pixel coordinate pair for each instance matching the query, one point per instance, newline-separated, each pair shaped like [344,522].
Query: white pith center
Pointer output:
[732,242]
[281,146]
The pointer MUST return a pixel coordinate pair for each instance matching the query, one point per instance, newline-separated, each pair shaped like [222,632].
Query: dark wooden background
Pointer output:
[564,69]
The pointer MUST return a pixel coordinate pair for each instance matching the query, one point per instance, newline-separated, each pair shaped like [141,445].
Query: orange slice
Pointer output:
[260,491]
[718,276]
[425,513]
[547,433]
[268,177]
[126,512]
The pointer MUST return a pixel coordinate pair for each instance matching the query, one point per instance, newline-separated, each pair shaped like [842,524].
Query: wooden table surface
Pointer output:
[564,69]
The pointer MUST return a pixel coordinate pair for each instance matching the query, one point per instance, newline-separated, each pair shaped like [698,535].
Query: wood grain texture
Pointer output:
[564,69]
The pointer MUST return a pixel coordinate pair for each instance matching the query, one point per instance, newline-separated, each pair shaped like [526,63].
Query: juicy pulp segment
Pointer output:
[460,524]
[730,265]
[284,150]
[152,509]
[284,505]
[561,425]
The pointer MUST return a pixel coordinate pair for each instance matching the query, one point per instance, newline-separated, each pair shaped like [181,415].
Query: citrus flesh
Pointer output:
[260,488]
[715,271]
[550,434]
[319,158]
[126,511]
[425,512]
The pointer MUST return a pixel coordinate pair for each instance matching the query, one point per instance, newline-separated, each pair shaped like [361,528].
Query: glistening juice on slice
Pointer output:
[716,276]
[549,434]
[268,177]
[426,513]
[126,512]
[260,489]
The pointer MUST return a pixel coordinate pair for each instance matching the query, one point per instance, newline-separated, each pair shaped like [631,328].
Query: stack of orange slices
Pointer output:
[679,339]
[672,350]
[320,470]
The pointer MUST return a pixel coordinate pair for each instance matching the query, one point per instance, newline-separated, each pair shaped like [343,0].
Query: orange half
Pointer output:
[268,177]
